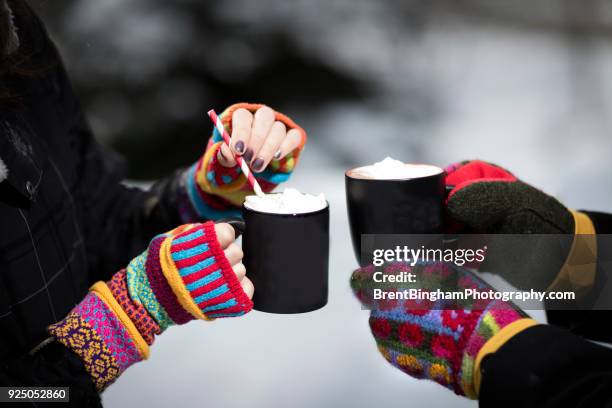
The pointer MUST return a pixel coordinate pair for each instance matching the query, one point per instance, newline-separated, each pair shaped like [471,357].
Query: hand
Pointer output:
[486,198]
[226,237]
[437,340]
[489,199]
[192,272]
[258,138]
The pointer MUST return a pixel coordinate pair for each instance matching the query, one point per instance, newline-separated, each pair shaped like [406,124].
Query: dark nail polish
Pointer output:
[277,155]
[239,147]
[248,155]
[258,164]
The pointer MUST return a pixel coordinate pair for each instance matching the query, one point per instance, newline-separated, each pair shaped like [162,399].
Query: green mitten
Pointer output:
[489,199]
[485,198]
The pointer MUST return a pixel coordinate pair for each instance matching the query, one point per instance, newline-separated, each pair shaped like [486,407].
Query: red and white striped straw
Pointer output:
[243,165]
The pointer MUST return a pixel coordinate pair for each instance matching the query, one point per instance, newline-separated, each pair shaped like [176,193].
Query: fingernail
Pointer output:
[277,155]
[248,155]
[220,155]
[258,164]
[239,147]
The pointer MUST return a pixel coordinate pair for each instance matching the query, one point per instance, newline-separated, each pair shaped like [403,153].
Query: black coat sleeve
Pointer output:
[119,221]
[52,366]
[545,366]
[588,322]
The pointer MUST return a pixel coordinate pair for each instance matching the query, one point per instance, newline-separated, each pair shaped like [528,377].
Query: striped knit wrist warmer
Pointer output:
[200,275]
[182,276]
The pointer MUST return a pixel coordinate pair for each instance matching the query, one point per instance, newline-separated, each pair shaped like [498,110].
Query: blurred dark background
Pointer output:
[146,70]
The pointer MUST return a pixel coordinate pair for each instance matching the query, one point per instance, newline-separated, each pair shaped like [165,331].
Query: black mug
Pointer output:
[393,206]
[286,257]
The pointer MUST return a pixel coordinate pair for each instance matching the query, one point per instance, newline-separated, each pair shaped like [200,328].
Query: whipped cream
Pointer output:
[290,201]
[391,169]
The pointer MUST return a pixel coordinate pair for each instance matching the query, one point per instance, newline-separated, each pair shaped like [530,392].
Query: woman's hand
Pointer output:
[226,237]
[258,138]
[193,272]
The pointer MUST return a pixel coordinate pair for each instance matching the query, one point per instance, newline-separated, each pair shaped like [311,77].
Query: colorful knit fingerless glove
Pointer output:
[485,198]
[182,276]
[438,340]
[212,191]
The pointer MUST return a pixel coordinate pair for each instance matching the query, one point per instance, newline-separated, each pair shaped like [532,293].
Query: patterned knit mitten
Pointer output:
[438,340]
[212,191]
[182,276]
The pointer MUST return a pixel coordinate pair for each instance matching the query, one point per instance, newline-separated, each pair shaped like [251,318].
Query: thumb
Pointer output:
[225,156]
[362,285]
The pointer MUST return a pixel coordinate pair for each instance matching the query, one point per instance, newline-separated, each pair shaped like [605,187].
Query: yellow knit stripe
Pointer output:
[495,342]
[176,282]
[489,321]
[104,293]
[578,272]
[205,183]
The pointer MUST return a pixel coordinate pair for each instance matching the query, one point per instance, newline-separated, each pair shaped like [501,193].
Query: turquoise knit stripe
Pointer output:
[221,290]
[204,281]
[186,238]
[190,252]
[216,315]
[188,270]
[229,303]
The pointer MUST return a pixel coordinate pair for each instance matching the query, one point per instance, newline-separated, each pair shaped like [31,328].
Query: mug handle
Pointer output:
[448,189]
[236,223]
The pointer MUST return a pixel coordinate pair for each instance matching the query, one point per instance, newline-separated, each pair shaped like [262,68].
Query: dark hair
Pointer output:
[10,62]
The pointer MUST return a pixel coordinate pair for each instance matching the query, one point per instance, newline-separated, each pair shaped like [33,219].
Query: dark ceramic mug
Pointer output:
[286,257]
[393,206]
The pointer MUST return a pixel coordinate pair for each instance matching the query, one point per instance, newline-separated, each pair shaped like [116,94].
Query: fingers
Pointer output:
[240,271]
[248,287]
[289,144]
[225,234]
[233,253]
[242,121]
[271,145]
[259,138]
[225,156]
[262,124]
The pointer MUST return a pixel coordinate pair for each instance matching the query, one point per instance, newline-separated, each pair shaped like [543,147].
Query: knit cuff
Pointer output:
[197,203]
[200,275]
[495,342]
[491,322]
[141,292]
[146,325]
[162,290]
[94,332]
[579,270]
